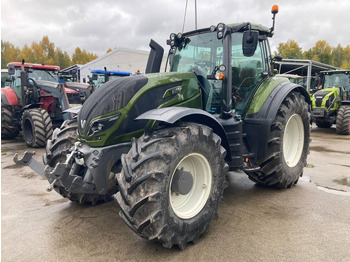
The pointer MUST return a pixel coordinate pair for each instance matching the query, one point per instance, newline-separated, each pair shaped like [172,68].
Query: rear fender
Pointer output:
[171,115]
[257,126]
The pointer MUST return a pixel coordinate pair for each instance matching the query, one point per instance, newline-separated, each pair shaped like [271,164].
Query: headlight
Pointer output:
[102,124]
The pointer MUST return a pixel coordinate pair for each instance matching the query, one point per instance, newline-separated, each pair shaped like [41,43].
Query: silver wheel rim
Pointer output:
[189,205]
[293,140]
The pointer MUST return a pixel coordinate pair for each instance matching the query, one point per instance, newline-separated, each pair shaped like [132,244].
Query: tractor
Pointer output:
[99,76]
[164,142]
[5,78]
[331,104]
[34,102]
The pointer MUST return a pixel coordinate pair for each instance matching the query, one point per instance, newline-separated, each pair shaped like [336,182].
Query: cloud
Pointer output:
[98,25]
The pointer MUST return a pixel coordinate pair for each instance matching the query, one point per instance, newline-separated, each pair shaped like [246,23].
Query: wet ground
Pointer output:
[310,222]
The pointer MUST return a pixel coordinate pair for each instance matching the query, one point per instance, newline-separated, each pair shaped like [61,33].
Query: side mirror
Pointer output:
[250,42]
[11,69]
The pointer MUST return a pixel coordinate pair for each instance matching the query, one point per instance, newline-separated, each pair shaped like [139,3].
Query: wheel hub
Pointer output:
[190,185]
[182,182]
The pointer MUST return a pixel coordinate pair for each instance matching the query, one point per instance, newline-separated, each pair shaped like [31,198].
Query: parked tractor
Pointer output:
[331,104]
[164,142]
[5,78]
[34,102]
[100,77]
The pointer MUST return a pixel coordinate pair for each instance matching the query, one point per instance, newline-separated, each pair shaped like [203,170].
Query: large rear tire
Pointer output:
[343,120]
[57,148]
[36,127]
[288,145]
[8,130]
[154,202]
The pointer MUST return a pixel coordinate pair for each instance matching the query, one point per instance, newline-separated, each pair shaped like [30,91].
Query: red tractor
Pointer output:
[35,101]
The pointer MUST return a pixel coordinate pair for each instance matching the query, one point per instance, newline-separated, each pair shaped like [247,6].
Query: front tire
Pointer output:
[288,145]
[343,120]
[57,148]
[8,130]
[36,127]
[153,200]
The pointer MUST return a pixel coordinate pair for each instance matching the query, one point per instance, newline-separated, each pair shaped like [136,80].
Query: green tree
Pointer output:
[63,59]
[321,52]
[48,50]
[346,59]
[338,54]
[27,54]
[9,53]
[289,50]
[82,57]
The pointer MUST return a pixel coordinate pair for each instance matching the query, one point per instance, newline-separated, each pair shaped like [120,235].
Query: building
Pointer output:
[122,59]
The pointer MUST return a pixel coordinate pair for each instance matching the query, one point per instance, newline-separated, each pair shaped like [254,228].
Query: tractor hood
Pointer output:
[113,95]
[43,83]
[111,110]
[322,93]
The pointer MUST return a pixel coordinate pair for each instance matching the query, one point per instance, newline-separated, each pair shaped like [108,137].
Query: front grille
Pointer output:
[318,102]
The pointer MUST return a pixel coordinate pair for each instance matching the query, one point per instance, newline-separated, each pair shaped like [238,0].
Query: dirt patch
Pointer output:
[29,175]
[14,166]
[344,181]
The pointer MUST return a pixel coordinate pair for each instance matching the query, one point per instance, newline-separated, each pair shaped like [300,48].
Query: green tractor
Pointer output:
[331,104]
[164,142]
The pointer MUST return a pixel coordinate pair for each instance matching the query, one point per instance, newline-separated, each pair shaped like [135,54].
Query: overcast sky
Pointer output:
[96,25]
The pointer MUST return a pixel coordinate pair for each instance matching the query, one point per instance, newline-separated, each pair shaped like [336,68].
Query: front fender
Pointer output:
[173,114]
[9,97]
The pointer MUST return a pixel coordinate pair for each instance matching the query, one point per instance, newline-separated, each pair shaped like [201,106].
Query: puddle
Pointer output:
[324,149]
[344,181]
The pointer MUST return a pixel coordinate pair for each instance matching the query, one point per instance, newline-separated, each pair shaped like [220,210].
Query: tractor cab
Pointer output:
[228,60]
[27,77]
[337,79]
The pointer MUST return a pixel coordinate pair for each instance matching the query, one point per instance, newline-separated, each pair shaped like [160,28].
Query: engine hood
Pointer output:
[128,97]
[43,83]
[113,95]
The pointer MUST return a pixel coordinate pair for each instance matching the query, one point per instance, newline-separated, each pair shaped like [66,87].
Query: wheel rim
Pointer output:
[293,140]
[28,130]
[189,205]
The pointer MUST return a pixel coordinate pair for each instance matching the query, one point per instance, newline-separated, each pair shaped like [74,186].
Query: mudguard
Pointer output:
[257,126]
[173,114]
[9,97]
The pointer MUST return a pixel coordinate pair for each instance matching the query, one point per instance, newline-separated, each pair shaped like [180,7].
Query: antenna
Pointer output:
[183,25]
[195,13]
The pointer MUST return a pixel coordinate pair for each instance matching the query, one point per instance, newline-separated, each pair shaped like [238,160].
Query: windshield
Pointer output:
[339,80]
[201,53]
[38,74]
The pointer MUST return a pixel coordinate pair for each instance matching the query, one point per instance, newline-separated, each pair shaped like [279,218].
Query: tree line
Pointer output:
[44,52]
[321,52]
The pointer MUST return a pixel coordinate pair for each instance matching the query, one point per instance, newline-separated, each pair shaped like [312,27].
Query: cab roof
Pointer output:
[35,66]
